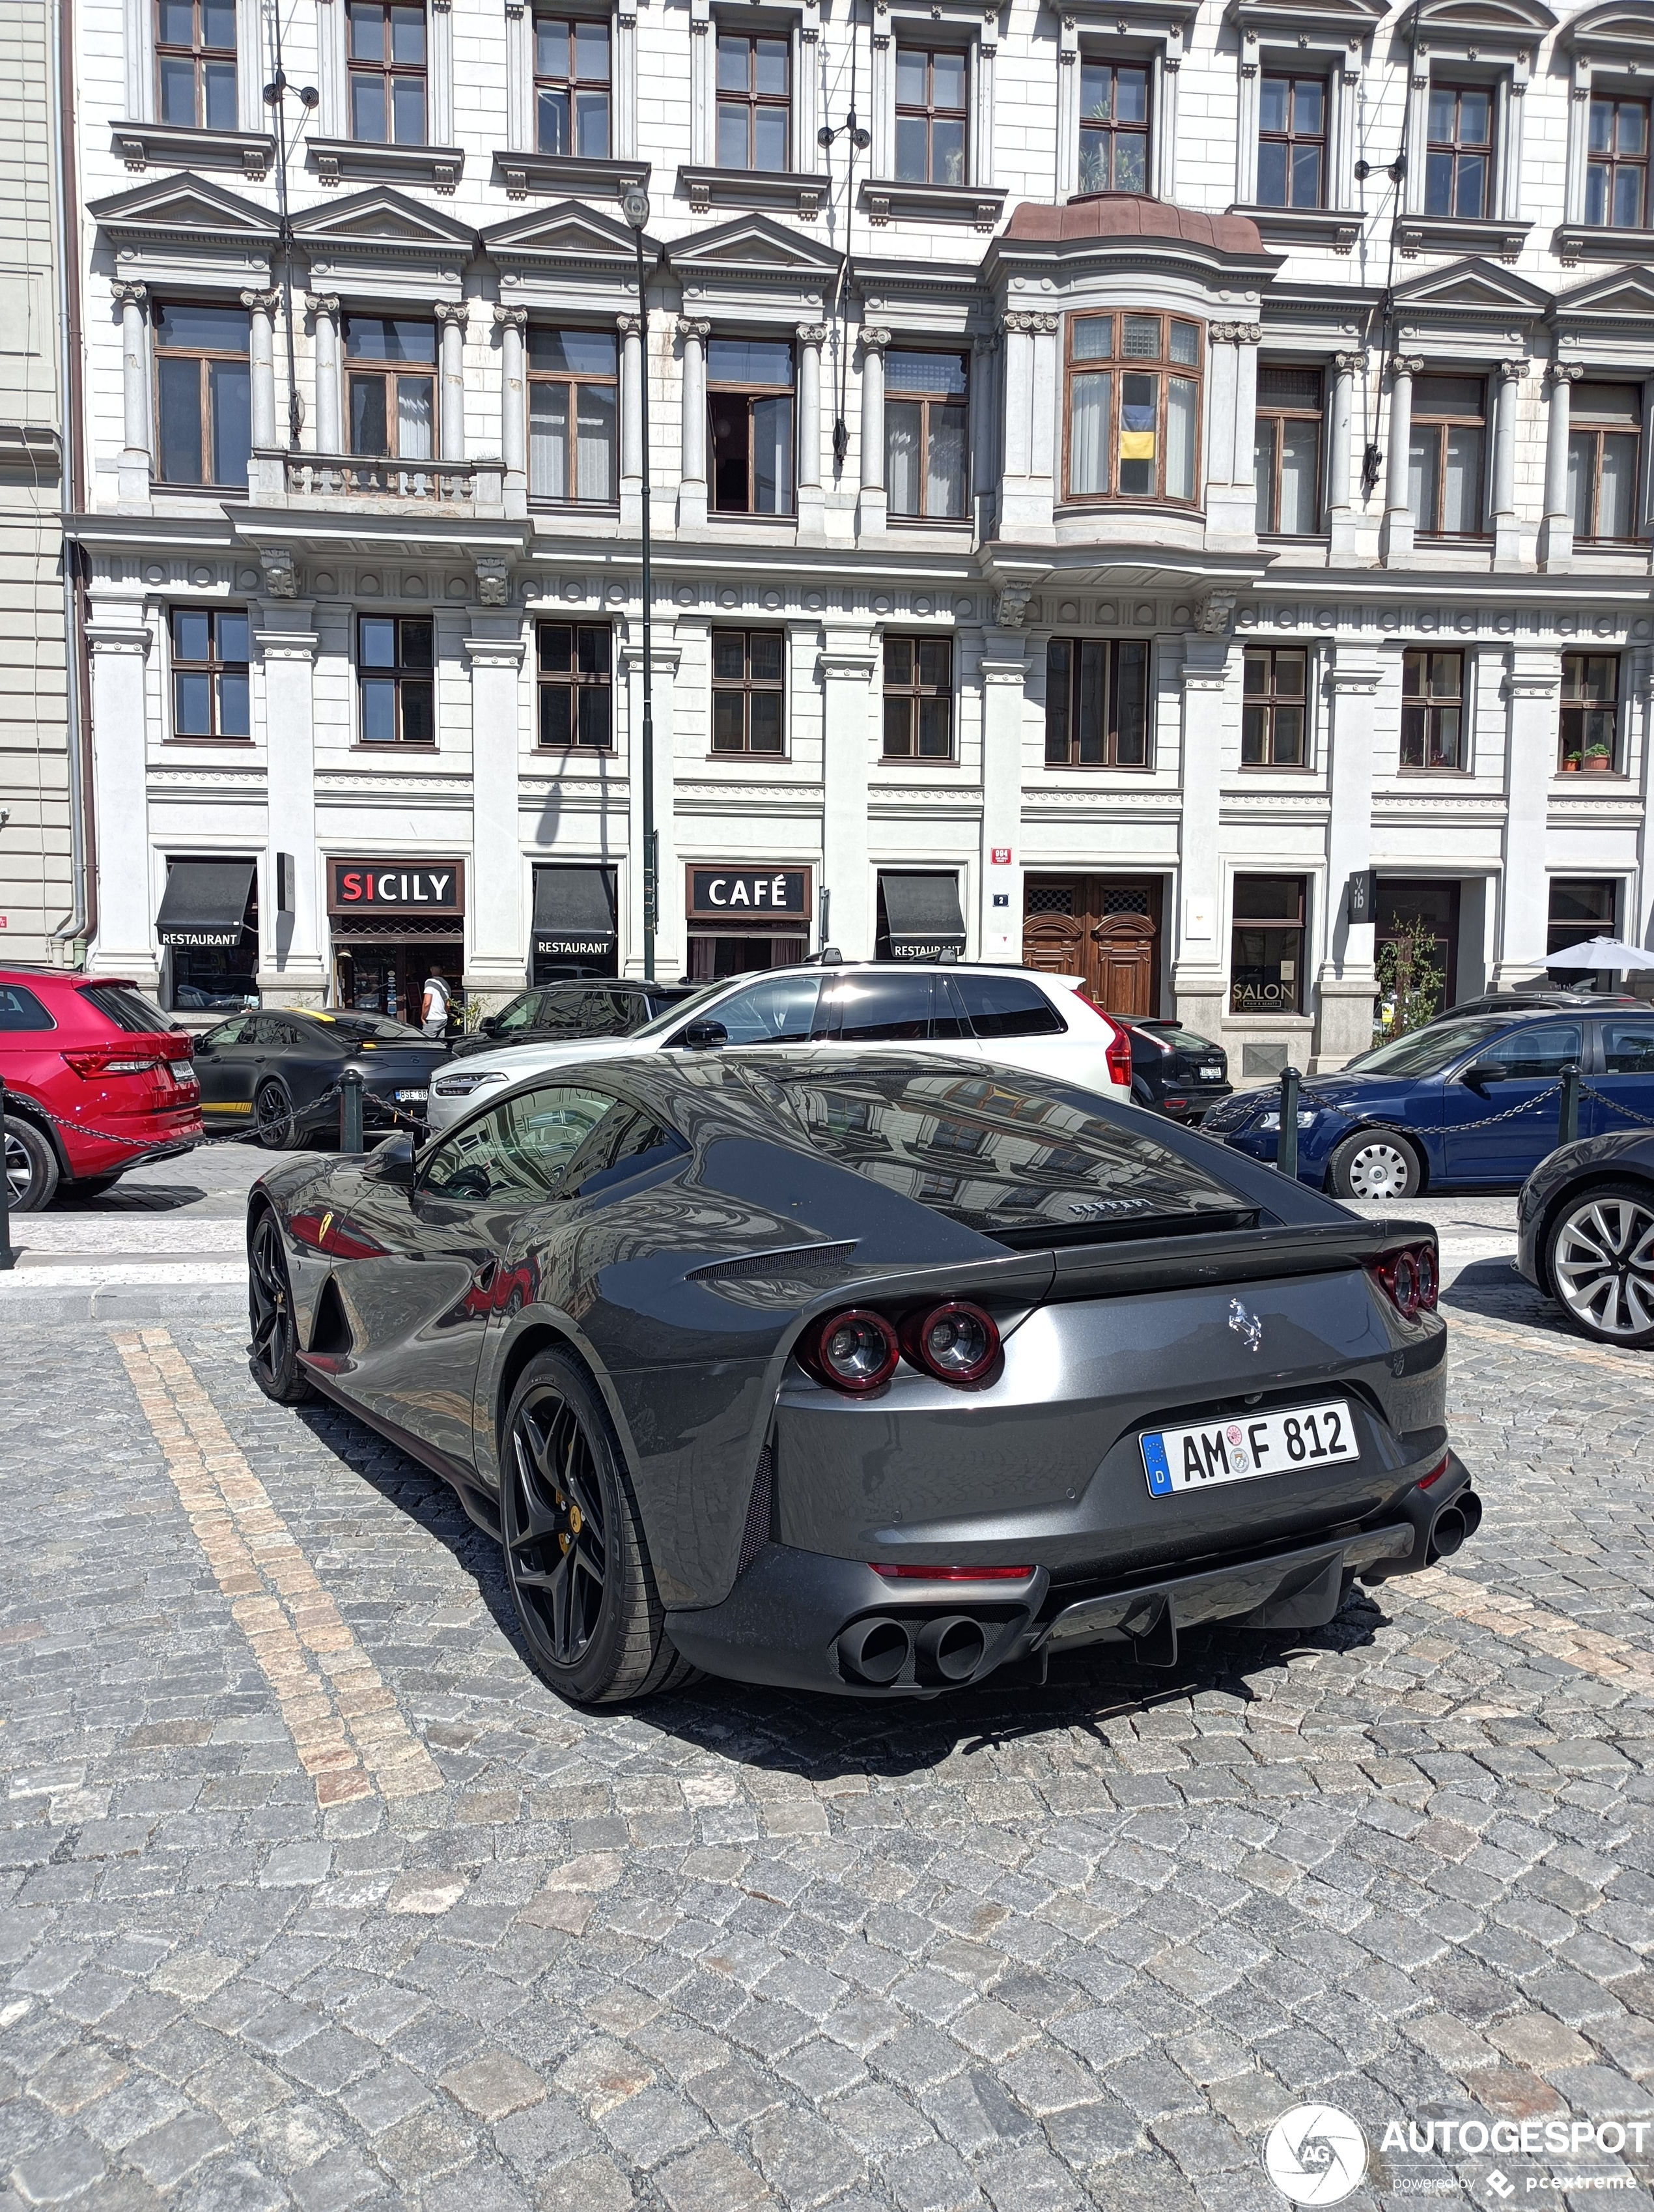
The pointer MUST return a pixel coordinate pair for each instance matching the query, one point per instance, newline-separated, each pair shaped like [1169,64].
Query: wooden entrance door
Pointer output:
[1105,928]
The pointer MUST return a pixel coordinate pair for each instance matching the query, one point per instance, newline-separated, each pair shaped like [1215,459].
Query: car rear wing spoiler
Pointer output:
[1171,1263]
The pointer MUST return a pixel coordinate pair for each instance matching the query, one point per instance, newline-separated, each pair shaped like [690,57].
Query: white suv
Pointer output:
[1011,1015]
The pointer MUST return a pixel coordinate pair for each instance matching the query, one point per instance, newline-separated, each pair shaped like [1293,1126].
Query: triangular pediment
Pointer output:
[1472,288]
[184,203]
[1483,22]
[568,231]
[1624,293]
[753,242]
[381,217]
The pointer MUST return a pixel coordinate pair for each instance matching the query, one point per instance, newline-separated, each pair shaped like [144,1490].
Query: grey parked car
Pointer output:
[860,1373]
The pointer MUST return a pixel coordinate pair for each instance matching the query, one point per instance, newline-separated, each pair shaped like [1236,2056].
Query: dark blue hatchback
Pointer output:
[1462,1103]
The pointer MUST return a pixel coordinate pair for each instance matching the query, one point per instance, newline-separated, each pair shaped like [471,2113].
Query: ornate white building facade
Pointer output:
[1165,489]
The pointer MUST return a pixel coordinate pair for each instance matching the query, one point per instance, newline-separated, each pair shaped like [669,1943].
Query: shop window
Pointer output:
[748,690]
[1287,451]
[925,435]
[1113,126]
[1445,459]
[1292,141]
[195,63]
[391,362]
[1604,449]
[1273,715]
[1581,908]
[1096,702]
[1589,732]
[754,102]
[1616,164]
[573,398]
[918,698]
[1266,950]
[395,678]
[571,82]
[1133,407]
[749,383]
[388,62]
[1433,709]
[1458,158]
[203,395]
[210,677]
[576,684]
[930,115]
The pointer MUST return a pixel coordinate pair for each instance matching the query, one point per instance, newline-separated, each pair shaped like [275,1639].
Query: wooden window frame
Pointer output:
[215,667]
[201,57]
[752,99]
[204,357]
[1066,714]
[1441,425]
[1574,733]
[751,393]
[931,113]
[1276,411]
[1459,149]
[577,682]
[1238,922]
[389,72]
[571,84]
[1113,132]
[1429,705]
[1269,700]
[913,693]
[572,379]
[1609,164]
[745,688]
[404,675]
[1581,424]
[366,365]
[926,402]
[1291,137]
[1117,365]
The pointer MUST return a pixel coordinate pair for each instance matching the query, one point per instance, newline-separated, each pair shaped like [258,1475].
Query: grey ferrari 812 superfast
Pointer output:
[870,1372]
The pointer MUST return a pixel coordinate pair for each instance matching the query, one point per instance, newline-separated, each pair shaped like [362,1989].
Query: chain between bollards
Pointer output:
[1286,1150]
[8,1257]
[350,1111]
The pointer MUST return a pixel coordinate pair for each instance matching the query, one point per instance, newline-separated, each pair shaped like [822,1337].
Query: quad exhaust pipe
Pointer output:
[1453,1525]
[883,1650]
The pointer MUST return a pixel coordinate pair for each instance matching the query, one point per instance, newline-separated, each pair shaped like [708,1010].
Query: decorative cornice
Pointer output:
[1031,325]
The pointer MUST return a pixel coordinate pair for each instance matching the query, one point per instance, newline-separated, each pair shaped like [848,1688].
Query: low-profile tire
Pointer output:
[576,1556]
[1599,1259]
[273,1352]
[1377,1164]
[272,1115]
[31,1166]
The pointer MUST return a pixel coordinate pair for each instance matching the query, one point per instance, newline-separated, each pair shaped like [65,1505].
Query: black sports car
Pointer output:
[278,1071]
[861,1374]
[1175,1071]
[606,1007]
[1584,1229]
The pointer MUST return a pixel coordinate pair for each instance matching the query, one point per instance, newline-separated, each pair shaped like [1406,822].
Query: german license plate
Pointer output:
[1177,1460]
[412,1097]
[1211,1075]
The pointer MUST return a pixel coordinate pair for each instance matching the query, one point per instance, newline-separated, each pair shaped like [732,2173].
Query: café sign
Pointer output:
[749,894]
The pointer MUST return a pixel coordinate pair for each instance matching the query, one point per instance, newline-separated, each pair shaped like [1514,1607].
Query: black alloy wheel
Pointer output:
[273,1354]
[272,1115]
[31,1167]
[1601,1255]
[575,1554]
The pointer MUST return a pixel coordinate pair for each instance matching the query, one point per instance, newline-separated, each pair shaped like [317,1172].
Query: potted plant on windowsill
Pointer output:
[1570,764]
[1598,760]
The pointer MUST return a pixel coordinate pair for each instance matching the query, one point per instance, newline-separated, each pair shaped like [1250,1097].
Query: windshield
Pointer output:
[1424,1052]
[364,1029]
[680,1009]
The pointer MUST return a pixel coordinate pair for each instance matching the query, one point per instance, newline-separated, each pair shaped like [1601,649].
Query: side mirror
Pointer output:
[1484,1072]
[393,1163]
[489,1025]
[702,1035]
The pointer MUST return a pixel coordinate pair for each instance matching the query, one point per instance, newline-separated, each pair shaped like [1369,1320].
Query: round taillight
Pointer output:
[956,1342]
[1407,1284]
[1428,1285]
[855,1351]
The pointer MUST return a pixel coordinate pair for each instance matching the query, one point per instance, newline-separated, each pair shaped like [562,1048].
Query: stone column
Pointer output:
[1341,515]
[692,483]
[496,959]
[874,504]
[118,638]
[812,507]
[1507,537]
[329,390]
[451,421]
[631,373]
[1556,531]
[261,353]
[133,301]
[512,323]
[292,966]
[1004,676]
[1346,985]
[1198,966]
[1395,540]
[850,658]
[1532,688]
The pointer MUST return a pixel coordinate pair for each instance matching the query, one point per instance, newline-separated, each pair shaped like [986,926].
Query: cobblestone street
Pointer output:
[312,1895]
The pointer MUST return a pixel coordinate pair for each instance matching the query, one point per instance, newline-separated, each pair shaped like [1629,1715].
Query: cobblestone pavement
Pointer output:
[312,1895]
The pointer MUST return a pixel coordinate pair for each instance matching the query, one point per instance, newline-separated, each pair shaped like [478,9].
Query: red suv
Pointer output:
[80,1055]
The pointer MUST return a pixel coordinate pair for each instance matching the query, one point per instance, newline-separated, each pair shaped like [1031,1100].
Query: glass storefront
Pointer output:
[395,923]
[745,919]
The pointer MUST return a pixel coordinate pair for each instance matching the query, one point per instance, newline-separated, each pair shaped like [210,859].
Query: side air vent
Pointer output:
[788,1259]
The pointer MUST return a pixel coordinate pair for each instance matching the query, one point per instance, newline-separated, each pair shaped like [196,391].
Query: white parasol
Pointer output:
[1605,952]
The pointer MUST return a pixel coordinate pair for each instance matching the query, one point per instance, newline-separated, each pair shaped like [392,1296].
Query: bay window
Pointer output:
[1133,407]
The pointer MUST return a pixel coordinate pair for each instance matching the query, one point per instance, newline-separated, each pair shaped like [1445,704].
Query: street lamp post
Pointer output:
[636,205]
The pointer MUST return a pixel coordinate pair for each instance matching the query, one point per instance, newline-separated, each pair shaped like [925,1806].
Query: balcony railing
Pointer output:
[332,479]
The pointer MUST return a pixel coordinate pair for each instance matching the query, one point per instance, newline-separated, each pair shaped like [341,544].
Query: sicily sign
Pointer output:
[391,887]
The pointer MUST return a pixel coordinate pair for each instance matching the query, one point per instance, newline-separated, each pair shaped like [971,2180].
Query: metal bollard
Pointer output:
[1286,1151]
[8,1257]
[351,1112]
[1567,1116]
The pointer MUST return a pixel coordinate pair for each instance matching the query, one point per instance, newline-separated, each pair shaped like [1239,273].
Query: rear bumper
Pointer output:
[799,1619]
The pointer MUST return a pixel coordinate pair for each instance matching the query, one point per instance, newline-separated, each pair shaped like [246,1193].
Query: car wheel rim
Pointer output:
[1603,1266]
[557,1548]
[273,1114]
[269,1312]
[20,1169]
[1380,1171]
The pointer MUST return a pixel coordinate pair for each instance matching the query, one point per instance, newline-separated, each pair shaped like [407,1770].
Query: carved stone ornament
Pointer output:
[511,319]
[1011,606]
[630,326]
[1407,364]
[127,294]
[452,311]
[261,303]
[1565,372]
[690,327]
[281,573]
[1348,364]
[493,580]
[1032,326]
[1215,615]
[874,340]
[324,304]
[1513,372]
[814,334]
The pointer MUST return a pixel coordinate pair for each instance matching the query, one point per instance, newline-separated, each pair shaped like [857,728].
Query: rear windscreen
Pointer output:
[1030,1164]
[129,1009]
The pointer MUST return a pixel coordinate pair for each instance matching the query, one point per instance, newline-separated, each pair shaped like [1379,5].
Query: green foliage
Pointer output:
[1411,978]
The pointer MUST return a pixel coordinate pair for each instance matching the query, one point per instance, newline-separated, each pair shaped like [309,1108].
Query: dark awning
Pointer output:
[574,912]
[205,903]
[921,915]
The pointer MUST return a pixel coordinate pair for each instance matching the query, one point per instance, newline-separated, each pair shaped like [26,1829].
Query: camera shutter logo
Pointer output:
[1315,2155]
